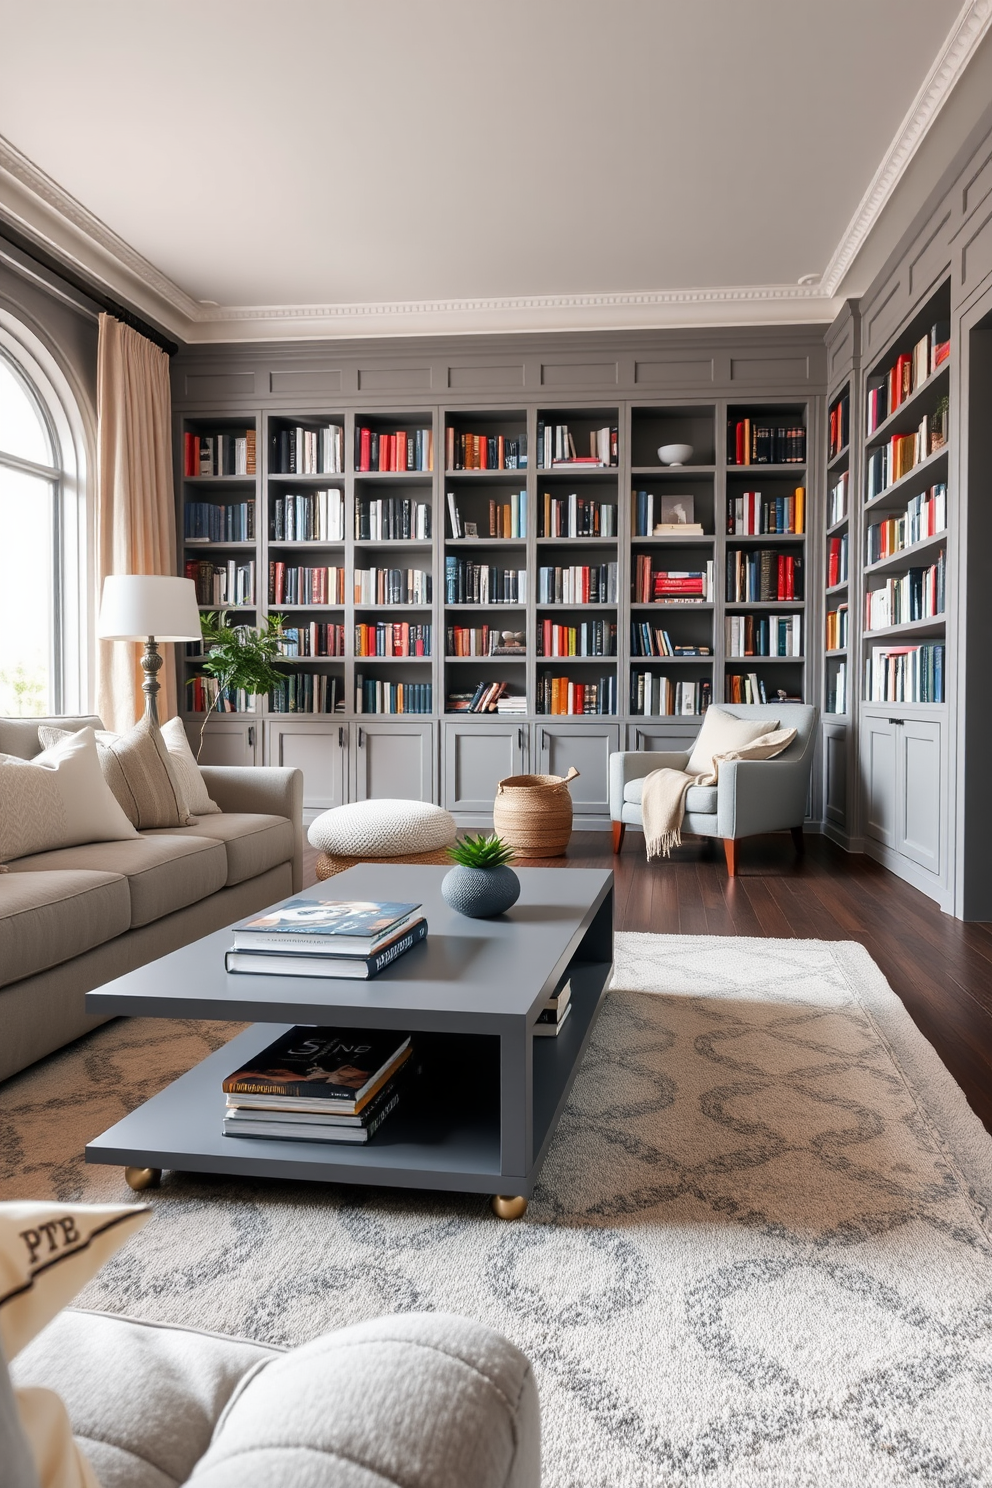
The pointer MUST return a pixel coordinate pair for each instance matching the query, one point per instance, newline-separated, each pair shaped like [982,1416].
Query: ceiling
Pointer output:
[240,169]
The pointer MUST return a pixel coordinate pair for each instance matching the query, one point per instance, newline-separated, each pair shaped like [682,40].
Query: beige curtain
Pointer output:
[136,531]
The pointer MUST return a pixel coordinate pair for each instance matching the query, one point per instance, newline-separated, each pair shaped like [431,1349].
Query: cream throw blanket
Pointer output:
[663,801]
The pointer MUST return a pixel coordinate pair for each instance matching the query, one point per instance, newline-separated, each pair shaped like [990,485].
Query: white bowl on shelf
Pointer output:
[675,454]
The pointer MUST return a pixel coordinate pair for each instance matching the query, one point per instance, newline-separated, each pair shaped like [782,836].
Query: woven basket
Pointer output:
[533,814]
[328,864]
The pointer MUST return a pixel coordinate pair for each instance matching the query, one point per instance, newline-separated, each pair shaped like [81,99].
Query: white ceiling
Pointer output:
[346,153]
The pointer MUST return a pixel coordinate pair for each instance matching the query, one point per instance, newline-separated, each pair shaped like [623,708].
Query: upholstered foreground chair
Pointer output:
[752,796]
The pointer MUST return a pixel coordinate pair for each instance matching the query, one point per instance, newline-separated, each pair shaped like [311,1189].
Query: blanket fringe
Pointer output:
[661,847]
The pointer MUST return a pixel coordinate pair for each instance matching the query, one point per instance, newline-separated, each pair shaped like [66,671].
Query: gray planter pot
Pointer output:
[480,892]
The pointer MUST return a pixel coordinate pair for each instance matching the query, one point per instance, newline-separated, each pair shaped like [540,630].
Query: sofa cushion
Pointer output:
[143,1398]
[254,843]
[382,828]
[19,736]
[187,770]
[164,872]
[46,918]
[700,798]
[139,770]
[56,800]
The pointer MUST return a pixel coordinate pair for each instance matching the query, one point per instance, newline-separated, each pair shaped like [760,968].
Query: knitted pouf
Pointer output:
[328,864]
[366,830]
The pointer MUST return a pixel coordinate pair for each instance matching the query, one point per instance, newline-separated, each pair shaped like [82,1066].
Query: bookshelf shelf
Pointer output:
[837,651]
[765,539]
[840,460]
[922,475]
[933,625]
[488,542]
[839,525]
[840,588]
[217,543]
[218,480]
[674,472]
[737,661]
[670,539]
[765,469]
[578,472]
[904,558]
[733,605]
[662,604]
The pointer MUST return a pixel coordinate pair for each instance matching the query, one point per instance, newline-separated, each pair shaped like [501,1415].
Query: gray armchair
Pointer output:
[752,796]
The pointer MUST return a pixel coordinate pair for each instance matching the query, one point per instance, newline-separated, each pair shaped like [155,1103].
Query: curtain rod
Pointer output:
[48,261]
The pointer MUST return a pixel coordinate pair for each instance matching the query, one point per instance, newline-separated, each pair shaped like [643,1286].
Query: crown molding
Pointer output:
[963,40]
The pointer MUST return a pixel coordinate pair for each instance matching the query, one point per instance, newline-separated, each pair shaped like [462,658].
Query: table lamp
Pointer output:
[152,608]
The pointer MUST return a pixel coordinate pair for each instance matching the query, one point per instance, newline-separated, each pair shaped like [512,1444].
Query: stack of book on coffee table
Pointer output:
[319,1085]
[555,1011]
[354,938]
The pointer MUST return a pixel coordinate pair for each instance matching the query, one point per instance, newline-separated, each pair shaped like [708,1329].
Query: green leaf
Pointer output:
[481,852]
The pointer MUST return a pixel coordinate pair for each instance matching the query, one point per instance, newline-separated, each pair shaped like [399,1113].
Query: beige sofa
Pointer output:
[73,919]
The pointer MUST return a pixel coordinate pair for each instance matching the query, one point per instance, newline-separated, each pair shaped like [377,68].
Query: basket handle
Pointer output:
[573,774]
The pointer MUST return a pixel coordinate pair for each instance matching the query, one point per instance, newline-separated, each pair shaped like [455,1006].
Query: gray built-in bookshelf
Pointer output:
[610,627]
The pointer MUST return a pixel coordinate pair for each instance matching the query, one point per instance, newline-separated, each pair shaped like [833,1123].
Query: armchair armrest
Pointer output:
[634,765]
[762,795]
[262,789]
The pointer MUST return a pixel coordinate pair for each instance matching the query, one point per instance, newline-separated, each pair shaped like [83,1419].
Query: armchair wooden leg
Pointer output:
[618,830]
[798,840]
[730,852]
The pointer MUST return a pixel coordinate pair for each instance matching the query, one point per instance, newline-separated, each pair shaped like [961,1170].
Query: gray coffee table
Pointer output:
[481,1117]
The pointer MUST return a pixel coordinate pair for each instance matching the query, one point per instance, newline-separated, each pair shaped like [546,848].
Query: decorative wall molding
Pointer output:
[963,40]
[41,208]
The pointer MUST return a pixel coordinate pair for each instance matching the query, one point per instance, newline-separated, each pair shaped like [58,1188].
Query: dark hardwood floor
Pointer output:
[939,966]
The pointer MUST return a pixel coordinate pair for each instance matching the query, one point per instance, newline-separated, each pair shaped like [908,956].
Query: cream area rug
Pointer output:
[759,1254]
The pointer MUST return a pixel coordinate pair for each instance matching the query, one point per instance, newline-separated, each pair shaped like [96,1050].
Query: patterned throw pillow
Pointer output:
[183,762]
[139,770]
[47,1253]
[58,799]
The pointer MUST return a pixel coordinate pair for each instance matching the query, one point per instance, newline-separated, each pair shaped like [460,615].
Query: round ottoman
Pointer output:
[382,831]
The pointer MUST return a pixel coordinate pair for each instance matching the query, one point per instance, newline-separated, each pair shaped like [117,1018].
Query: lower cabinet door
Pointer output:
[318,748]
[392,758]
[652,733]
[588,747]
[476,757]
[227,740]
[920,792]
[879,766]
[835,773]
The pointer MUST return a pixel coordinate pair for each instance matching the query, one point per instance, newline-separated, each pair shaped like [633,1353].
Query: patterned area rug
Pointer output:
[760,1252]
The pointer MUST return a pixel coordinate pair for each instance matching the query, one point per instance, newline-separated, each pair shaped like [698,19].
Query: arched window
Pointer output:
[40,538]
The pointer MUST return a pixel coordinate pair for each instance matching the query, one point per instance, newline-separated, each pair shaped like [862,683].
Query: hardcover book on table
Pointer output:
[342,927]
[341,1065]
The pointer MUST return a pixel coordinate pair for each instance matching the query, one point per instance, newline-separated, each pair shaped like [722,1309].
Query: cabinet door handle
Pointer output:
[361,738]
[340,738]
[900,721]
[544,739]
[251,736]
[521,738]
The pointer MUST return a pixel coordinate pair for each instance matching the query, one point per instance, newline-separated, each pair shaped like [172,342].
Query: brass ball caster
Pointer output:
[142,1178]
[508,1206]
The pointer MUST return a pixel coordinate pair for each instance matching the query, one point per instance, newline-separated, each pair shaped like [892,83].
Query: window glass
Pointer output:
[22,427]
[27,599]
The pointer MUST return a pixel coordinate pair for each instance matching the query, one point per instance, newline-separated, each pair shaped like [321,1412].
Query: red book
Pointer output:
[940,353]
[790,578]
[740,457]
[365,450]
[833,563]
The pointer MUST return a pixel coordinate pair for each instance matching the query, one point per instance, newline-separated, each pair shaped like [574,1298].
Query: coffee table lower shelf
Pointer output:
[455,1148]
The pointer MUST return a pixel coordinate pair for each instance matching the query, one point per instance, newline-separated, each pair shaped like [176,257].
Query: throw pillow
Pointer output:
[721,732]
[183,761]
[57,799]
[47,1252]
[138,768]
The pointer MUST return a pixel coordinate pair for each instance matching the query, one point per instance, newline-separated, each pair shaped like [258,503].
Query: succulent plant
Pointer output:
[481,852]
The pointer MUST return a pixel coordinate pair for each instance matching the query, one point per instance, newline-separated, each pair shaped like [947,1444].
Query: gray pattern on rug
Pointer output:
[759,1252]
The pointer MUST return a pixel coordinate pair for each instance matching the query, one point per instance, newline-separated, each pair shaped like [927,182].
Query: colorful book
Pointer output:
[342,927]
[340,1068]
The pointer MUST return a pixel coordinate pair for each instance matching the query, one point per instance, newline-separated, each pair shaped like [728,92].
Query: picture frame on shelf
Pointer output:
[677,511]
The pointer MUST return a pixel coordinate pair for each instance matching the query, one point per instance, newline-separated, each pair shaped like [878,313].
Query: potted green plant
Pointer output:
[482,884]
[240,657]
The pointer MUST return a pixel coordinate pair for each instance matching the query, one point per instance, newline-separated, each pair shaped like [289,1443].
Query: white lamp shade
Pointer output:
[138,605]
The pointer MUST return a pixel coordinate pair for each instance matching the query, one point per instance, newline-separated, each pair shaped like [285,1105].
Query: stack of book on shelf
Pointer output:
[907,372]
[312,516]
[511,703]
[748,687]
[918,594]
[576,516]
[221,584]
[353,938]
[486,698]
[904,452]
[905,674]
[926,515]
[671,586]
[751,443]
[484,640]
[400,451]
[658,696]
[315,639]
[392,638]
[836,637]
[670,515]
[484,451]
[551,1019]
[375,695]
[392,519]
[507,519]
[837,500]
[837,551]
[299,451]
[840,426]
[586,583]
[206,521]
[319,1085]
[757,575]
[397,586]
[206,693]
[764,635]
[308,692]
[293,584]
[754,515]
[591,638]
[466,582]
[563,695]
[557,447]
[647,641]
[219,454]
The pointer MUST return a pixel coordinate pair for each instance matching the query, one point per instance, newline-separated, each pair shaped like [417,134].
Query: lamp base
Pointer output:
[151,664]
